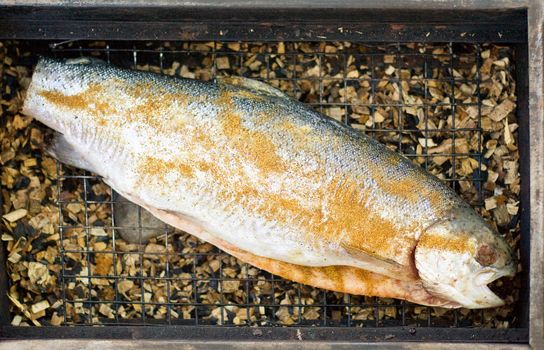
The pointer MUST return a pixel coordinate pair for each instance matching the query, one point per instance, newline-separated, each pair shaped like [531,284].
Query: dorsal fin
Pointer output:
[85,60]
[251,84]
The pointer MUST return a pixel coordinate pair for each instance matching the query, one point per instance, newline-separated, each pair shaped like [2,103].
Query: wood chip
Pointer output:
[38,273]
[7,237]
[7,155]
[312,313]
[56,320]
[30,162]
[490,203]
[501,216]
[336,113]
[229,286]
[124,286]
[512,208]
[105,310]
[23,310]
[14,257]
[378,117]
[98,232]
[74,208]
[427,142]
[501,111]
[17,319]
[100,246]
[222,62]
[20,122]
[39,306]
[215,265]
[36,138]
[508,138]
[390,70]
[502,63]
[104,263]
[354,74]
[512,172]
[15,215]
[234,46]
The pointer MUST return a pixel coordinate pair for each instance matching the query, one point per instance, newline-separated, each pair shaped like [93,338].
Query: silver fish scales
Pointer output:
[264,177]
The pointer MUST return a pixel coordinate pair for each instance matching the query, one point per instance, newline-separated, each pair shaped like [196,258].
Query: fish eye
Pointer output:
[486,255]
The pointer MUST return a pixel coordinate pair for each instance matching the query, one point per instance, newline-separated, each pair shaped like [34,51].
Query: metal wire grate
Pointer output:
[172,288]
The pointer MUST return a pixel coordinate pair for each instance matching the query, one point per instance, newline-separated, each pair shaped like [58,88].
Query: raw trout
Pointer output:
[241,165]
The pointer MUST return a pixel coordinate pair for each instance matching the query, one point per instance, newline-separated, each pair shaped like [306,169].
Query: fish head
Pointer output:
[457,257]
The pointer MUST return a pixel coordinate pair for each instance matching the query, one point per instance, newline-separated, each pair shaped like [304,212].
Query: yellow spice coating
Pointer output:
[348,220]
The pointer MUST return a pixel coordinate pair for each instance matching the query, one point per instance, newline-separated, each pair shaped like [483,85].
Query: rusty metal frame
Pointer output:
[257,20]
[535,11]
[536,137]
[245,345]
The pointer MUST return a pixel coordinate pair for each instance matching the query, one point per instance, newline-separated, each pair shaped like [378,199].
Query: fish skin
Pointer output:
[345,279]
[259,171]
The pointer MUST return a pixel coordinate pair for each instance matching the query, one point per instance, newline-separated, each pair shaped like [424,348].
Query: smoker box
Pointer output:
[50,27]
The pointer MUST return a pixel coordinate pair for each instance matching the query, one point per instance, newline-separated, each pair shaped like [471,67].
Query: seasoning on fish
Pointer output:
[239,164]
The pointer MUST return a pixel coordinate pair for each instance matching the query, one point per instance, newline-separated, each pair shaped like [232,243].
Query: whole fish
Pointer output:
[262,176]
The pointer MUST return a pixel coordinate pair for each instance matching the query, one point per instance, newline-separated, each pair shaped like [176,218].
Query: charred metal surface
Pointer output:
[143,23]
[245,345]
[522,84]
[272,13]
[232,22]
[290,4]
[4,304]
[536,127]
[261,31]
[194,333]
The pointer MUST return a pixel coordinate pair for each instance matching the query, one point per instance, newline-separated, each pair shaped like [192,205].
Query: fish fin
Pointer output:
[252,84]
[62,150]
[172,218]
[346,279]
[389,267]
[85,60]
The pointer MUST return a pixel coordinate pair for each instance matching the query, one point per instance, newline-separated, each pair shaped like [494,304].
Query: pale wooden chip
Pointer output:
[15,215]
[508,138]
[39,306]
[502,110]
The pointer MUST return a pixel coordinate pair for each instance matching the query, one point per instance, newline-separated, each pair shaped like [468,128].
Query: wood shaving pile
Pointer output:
[401,94]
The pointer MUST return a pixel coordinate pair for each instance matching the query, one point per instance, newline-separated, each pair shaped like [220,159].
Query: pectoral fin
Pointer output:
[405,271]
[59,148]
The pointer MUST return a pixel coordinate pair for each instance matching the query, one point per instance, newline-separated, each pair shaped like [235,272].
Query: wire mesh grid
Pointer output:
[177,279]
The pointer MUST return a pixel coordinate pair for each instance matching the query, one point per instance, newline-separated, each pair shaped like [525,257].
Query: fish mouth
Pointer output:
[490,274]
[479,295]
[486,299]
[472,291]
[467,295]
